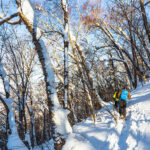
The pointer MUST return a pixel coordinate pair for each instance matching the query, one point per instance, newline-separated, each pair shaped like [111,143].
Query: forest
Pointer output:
[61,61]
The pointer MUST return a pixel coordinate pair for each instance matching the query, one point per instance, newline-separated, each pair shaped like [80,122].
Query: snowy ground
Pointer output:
[105,134]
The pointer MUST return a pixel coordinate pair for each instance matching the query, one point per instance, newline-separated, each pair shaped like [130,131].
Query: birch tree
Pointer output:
[64,4]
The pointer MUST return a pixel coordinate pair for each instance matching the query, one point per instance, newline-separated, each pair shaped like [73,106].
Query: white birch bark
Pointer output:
[64,4]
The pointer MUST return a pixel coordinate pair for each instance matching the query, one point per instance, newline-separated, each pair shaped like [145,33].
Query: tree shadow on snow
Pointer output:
[124,134]
[138,99]
[93,136]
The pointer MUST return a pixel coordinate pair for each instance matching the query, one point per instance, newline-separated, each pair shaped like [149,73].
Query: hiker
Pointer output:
[116,99]
[124,96]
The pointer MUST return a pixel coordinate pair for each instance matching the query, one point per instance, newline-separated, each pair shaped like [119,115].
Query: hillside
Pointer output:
[105,134]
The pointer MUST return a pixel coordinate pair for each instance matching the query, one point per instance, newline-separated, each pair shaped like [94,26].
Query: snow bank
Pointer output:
[14,143]
[61,120]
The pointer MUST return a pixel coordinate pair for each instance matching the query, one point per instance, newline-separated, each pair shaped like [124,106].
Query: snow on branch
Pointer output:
[5,82]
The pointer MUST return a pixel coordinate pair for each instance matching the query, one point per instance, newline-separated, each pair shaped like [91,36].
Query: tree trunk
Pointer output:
[86,89]
[64,5]
[146,25]
[92,90]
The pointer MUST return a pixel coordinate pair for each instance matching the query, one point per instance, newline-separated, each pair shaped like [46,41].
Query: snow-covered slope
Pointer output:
[105,134]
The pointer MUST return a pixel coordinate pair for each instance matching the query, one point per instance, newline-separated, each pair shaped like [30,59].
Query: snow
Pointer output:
[72,36]
[105,134]
[76,142]
[49,145]
[3,75]
[60,115]
[2,15]
[14,143]
[64,4]
[18,144]
[28,139]
[50,75]
[27,10]
[61,120]
[66,37]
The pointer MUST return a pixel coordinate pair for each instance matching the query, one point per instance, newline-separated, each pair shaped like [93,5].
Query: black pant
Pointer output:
[116,104]
[122,108]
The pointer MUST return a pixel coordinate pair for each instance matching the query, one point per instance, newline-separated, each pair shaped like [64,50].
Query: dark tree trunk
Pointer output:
[146,25]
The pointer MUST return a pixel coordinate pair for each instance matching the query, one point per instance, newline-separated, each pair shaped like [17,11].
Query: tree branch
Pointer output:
[15,22]
[3,101]
[10,17]
[147,3]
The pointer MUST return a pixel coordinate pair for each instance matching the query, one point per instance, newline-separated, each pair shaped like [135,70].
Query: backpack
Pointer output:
[124,95]
[117,95]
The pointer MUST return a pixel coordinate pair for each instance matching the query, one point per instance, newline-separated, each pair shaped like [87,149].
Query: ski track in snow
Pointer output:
[132,134]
